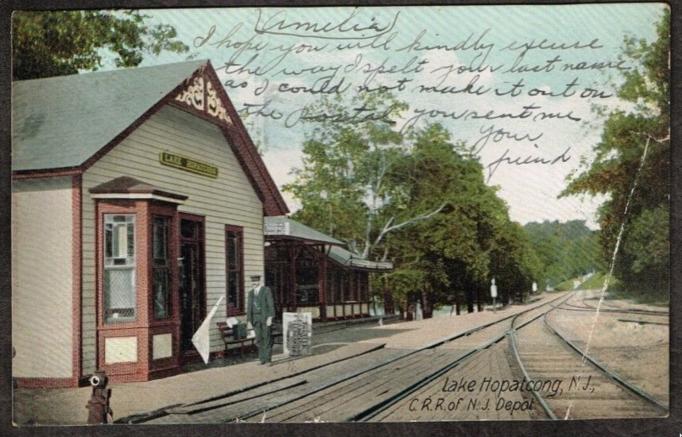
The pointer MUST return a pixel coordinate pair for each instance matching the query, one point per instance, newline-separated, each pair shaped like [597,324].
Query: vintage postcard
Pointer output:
[340,214]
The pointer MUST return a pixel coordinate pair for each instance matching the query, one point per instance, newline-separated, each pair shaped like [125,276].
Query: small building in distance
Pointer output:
[309,271]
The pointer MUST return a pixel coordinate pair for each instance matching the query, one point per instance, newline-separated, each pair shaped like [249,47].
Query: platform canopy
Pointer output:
[280,228]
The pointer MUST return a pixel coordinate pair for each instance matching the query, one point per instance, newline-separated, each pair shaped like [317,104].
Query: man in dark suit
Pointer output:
[260,312]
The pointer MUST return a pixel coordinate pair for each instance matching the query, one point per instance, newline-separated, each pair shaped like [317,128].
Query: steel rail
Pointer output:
[611,308]
[604,369]
[612,375]
[385,363]
[614,310]
[145,417]
[376,409]
[515,349]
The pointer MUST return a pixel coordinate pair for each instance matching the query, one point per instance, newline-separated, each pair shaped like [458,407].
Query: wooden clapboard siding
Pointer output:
[228,199]
[42,281]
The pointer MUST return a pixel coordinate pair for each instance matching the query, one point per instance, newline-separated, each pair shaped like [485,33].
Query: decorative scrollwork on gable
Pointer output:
[200,94]
[193,95]
[214,106]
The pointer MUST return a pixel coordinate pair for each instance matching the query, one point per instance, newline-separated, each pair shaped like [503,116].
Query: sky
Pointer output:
[482,47]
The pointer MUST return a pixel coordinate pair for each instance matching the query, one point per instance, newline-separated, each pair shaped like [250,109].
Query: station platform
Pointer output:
[332,342]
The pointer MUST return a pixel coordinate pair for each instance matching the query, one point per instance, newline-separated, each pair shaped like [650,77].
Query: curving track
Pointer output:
[401,385]
[348,390]
[589,388]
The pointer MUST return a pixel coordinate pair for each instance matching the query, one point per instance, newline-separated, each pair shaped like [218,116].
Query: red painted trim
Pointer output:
[241,307]
[77,276]
[197,112]
[46,382]
[275,204]
[112,206]
[116,371]
[143,327]
[49,173]
[202,250]
[322,283]
[232,142]
[170,325]
[170,213]
[28,174]
[192,217]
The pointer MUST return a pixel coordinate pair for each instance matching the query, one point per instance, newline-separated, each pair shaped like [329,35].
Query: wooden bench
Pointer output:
[227,334]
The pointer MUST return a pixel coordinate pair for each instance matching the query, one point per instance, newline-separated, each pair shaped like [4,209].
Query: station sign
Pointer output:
[281,228]
[188,164]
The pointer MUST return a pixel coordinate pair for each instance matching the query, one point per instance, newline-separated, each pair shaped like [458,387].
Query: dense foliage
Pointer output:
[54,43]
[416,200]
[566,250]
[642,264]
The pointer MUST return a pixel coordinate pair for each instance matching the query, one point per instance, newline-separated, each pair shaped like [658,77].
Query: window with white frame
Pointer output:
[119,267]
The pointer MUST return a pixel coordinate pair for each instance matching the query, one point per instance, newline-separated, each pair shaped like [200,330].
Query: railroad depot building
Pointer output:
[138,201]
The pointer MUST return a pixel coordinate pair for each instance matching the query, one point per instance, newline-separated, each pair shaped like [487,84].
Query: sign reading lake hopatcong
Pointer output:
[188,164]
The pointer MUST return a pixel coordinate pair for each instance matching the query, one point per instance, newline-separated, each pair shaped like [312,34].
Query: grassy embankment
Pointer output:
[617,291]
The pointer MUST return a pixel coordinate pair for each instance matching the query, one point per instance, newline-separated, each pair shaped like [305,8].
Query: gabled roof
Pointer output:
[62,121]
[65,123]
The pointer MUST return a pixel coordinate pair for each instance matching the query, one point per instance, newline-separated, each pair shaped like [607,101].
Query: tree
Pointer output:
[620,158]
[470,240]
[566,250]
[53,43]
[343,185]
[418,199]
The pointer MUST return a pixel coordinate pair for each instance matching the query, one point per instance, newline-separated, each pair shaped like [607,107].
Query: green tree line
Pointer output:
[418,199]
[642,262]
[566,250]
[55,43]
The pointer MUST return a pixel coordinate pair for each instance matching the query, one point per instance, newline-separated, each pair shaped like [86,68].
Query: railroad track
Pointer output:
[643,316]
[615,308]
[566,387]
[339,393]
[383,387]
[588,388]
[573,306]
[371,394]
[487,362]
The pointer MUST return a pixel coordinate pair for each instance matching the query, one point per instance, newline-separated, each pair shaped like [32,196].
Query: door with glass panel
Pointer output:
[192,293]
